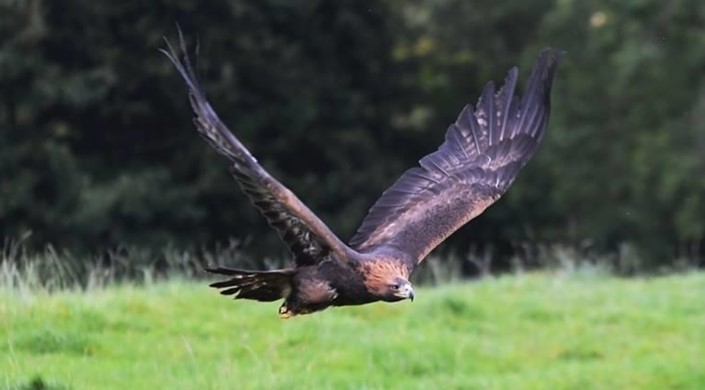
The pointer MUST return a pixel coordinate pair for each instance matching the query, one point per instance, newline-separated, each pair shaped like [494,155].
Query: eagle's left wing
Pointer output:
[308,238]
[480,158]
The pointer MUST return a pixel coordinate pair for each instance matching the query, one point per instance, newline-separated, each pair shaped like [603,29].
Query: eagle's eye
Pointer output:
[395,287]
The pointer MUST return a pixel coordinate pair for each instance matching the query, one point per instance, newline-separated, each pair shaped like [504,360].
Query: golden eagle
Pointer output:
[483,152]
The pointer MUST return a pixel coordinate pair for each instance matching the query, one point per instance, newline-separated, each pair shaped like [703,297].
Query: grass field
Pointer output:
[536,331]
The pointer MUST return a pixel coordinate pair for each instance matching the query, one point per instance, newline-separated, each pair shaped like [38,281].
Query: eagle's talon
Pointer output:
[285,313]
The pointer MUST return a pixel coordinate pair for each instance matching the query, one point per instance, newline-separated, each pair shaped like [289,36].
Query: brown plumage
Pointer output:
[480,158]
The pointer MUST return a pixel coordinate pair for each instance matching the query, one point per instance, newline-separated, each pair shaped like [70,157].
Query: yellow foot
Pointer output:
[285,313]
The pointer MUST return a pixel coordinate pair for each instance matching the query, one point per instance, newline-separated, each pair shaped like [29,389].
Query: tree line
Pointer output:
[337,99]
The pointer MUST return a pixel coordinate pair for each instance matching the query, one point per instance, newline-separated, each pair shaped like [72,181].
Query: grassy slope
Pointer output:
[533,332]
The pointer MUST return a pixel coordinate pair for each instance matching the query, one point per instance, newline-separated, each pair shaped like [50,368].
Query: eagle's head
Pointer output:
[388,280]
[399,289]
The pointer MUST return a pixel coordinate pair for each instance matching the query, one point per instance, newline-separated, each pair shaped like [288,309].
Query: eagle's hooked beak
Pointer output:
[409,292]
[401,289]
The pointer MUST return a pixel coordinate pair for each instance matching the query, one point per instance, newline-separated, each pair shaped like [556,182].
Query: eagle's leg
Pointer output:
[293,307]
[310,292]
[289,309]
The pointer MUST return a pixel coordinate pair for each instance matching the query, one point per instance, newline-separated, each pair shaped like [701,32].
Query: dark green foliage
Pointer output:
[103,136]
[337,99]
[628,126]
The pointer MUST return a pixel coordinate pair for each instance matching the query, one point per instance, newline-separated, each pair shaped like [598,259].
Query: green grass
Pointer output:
[537,331]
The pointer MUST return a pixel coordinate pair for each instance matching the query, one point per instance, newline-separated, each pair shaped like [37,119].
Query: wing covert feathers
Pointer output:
[483,152]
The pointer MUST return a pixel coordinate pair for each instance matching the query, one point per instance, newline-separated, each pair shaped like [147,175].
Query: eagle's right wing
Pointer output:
[308,238]
[480,158]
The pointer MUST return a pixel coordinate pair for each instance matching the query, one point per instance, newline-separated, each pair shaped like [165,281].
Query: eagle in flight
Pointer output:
[483,152]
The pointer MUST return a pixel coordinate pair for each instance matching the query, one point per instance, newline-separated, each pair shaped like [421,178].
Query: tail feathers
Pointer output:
[264,286]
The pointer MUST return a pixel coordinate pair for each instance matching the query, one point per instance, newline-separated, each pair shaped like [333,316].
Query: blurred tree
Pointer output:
[304,84]
[625,155]
[337,99]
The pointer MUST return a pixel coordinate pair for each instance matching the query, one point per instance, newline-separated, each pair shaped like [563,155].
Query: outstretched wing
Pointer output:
[308,238]
[480,158]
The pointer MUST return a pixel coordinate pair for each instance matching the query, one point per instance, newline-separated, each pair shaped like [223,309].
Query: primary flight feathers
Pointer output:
[483,152]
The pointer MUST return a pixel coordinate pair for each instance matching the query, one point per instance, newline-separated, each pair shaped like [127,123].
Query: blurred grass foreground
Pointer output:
[529,331]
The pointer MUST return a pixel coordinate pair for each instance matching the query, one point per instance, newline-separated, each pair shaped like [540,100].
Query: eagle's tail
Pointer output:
[265,286]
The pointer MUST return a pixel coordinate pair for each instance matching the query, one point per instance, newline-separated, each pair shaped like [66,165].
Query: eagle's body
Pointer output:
[483,152]
[311,288]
